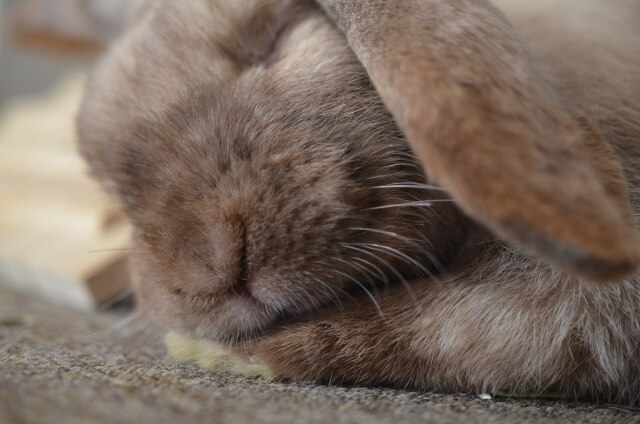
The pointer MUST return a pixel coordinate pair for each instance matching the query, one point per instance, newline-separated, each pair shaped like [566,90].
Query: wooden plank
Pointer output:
[61,237]
[68,26]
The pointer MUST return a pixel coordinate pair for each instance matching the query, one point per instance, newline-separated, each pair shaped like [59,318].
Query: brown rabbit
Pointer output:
[264,164]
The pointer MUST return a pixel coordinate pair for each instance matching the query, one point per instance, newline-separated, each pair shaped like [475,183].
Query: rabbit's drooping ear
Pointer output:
[461,86]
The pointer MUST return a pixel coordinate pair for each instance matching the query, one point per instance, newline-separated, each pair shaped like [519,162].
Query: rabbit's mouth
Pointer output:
[242,313]
[232,315]
[236,316]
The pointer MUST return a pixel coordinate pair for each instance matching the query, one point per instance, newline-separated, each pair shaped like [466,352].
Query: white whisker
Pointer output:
[393,269]
[421,203]
[396,174]
[357,267]
[395,252]
[387,233]
[413,243]
[410,185]
[382,275]
[362,286]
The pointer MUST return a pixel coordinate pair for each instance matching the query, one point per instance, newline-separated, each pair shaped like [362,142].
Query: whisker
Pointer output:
[369,294]
[333,294]
[329,266]
[366,273]
[411,185]
[334,298]
[382,275]
[391,175]
[408,259]
[357,267]
[393,269]
[423,203]
[410,242]
[375,230]
[315,304]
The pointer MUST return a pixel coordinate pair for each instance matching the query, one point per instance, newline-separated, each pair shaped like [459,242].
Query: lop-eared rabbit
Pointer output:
[414,193]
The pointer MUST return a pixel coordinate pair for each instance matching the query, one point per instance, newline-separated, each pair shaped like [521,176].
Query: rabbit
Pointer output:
[418,194]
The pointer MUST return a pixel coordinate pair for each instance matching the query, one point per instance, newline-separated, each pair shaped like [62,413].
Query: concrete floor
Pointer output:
[62,366]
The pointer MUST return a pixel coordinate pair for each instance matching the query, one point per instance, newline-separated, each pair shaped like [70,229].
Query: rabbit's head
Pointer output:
[265,177]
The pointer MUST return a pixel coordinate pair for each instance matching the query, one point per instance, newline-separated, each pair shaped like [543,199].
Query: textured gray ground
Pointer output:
[58,365]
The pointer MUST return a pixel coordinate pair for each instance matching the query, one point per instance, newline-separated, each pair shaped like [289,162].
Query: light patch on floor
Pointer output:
[214,357]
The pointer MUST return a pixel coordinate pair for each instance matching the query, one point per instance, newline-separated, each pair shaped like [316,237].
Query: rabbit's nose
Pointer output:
[218,264]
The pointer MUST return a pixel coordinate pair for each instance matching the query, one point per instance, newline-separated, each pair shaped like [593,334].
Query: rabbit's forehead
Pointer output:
[181,48]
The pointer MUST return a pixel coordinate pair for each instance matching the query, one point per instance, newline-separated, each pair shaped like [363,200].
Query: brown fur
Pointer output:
[264,177]
[468,76]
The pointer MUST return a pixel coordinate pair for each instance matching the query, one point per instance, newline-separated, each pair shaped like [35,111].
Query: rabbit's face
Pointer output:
[262,200]
[272,191]
[263,175]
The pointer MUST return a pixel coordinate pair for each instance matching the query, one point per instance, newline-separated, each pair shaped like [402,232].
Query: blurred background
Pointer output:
[61,238]
[28,70]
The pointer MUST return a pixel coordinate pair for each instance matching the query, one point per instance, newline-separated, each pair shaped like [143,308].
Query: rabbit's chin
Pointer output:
[235,317]
[232,317]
